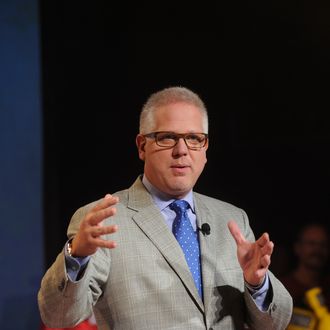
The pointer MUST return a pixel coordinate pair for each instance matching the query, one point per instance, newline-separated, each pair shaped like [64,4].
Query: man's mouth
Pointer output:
[180,169]
[180,165]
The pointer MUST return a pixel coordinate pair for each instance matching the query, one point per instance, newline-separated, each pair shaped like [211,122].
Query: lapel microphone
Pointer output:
[205,229]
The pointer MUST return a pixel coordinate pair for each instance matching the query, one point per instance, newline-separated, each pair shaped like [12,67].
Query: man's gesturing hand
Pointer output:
[254,257]
[88,238]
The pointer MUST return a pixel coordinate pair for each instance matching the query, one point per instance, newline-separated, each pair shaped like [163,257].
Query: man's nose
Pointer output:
[180,148]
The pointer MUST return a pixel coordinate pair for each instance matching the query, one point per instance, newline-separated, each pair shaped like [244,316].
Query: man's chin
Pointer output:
[179,191]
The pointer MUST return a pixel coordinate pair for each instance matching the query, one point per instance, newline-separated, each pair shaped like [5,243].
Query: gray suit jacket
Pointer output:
[145,283]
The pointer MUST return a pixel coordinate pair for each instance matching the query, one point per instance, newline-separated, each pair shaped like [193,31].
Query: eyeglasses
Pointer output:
[194,141]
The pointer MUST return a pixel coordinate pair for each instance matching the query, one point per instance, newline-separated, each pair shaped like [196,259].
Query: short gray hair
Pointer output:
[169,96]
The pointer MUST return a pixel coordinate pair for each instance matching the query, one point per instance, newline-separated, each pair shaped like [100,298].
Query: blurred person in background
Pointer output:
[311,251]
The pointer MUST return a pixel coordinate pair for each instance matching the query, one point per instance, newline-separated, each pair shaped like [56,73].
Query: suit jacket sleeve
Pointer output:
[279,310]
[63,303]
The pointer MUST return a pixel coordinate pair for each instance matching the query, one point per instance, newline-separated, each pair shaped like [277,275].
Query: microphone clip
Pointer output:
[205,229]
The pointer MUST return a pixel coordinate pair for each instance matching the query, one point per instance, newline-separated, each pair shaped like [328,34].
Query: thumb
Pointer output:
[235,232]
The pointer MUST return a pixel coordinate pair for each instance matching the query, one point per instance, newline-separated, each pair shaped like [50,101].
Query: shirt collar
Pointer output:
[163,200]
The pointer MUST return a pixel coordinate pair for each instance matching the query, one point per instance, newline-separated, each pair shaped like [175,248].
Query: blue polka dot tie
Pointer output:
[187,238]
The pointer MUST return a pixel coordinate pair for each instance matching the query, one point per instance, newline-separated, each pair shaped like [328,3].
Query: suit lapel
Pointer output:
[151,222]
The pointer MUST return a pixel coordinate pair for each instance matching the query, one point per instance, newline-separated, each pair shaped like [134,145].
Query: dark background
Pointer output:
[21,165]
[262,69]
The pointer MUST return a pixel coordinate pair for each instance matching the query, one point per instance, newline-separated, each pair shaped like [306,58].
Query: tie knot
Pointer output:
[179,206]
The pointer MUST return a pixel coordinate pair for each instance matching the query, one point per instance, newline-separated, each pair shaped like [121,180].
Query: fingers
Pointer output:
[97,241]
[107,201]
[97,231]
[88,240]
[101,243]
[268,248]
[265,261]
[236,233]
[263,239]
[89,236]
[260,276]
[104,209]
[94,218]
[265,244]
[255,275]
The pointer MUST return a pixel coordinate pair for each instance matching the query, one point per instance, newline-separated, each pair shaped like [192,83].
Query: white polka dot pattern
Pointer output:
[187,238]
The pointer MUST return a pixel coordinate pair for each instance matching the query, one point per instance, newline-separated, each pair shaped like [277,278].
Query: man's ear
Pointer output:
[140,143]
[206,147]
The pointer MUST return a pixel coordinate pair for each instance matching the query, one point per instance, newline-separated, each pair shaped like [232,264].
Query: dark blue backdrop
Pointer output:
[21,245]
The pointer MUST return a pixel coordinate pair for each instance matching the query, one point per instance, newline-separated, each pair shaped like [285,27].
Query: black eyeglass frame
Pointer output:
[178,136]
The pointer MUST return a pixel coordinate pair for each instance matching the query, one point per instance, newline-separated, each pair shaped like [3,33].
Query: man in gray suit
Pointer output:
[123,262]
